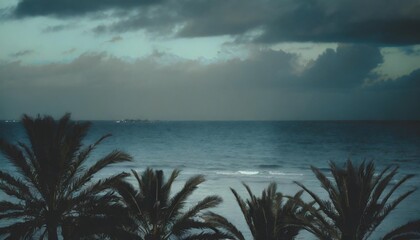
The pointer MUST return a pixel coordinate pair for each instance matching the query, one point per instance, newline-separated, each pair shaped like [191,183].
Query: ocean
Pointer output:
[257,153]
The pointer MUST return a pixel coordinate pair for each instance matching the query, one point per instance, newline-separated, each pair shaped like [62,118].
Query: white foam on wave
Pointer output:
[254,172]
[226,173]
[241,172]
[284,173]
[248,172]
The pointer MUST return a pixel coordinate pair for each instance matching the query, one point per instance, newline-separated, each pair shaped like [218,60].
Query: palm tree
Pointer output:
[410,230]
[160,216]
[358,201]
[268,217]
[53,187]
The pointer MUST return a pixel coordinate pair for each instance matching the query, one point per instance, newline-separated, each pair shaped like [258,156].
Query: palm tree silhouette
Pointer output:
[269,217]
[53,188]
[410,230]
[358,201]
[160,216]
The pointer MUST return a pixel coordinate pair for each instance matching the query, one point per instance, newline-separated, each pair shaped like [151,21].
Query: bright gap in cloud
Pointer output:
[398,63]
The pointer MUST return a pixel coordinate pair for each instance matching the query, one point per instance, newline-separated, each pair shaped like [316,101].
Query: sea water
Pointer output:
[256,153]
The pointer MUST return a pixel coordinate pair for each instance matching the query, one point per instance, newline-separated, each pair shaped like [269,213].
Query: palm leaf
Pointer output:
[410,230]
[113,157]
[177,202]
[17,158]
[75,165]
[183,222]
[221,223]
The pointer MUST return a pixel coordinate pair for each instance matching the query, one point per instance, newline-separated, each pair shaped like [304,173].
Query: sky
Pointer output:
[211,59]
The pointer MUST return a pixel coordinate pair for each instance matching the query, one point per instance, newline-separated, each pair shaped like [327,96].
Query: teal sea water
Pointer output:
[257,153]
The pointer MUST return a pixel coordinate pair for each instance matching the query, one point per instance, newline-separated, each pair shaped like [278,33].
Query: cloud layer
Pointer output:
[269,85]
[385,22]
[74,8]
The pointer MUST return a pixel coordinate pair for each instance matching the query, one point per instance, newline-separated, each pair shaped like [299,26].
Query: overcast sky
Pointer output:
[211,59]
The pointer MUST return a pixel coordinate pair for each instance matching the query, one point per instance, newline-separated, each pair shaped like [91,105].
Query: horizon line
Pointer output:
[237,120]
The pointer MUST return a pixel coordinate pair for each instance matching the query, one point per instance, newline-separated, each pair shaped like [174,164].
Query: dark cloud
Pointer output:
[212,18]
[268,85]
[348,66]
[400,96]
[159,19]
[386,22]
[375,21]
[409,82]
[66,8]
[345,21]
[22,53]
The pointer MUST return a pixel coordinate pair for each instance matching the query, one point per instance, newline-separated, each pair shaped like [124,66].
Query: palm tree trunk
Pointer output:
[348,237]
[52,228]
[52,233]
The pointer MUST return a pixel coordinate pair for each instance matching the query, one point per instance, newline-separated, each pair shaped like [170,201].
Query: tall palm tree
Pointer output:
[160,216]
[358,201]
[269,217]
[53,187]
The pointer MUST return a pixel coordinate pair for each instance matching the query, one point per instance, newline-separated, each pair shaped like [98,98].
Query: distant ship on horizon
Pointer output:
[134,121]
[11,121]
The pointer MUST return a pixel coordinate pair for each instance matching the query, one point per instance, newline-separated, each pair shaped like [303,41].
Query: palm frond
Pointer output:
[20,230]
[75,165]
[222,224]
[21,187]
[100,186]
[113,157]
[207,236]
[166,188]
[177,202]
[408,231]
[323,206]
[129,197]
[9,206]
[185,219]
[16,157]
[244,210]
[207,202]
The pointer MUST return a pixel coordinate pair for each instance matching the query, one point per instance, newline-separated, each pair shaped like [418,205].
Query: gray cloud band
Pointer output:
[347,21]
[264,86]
